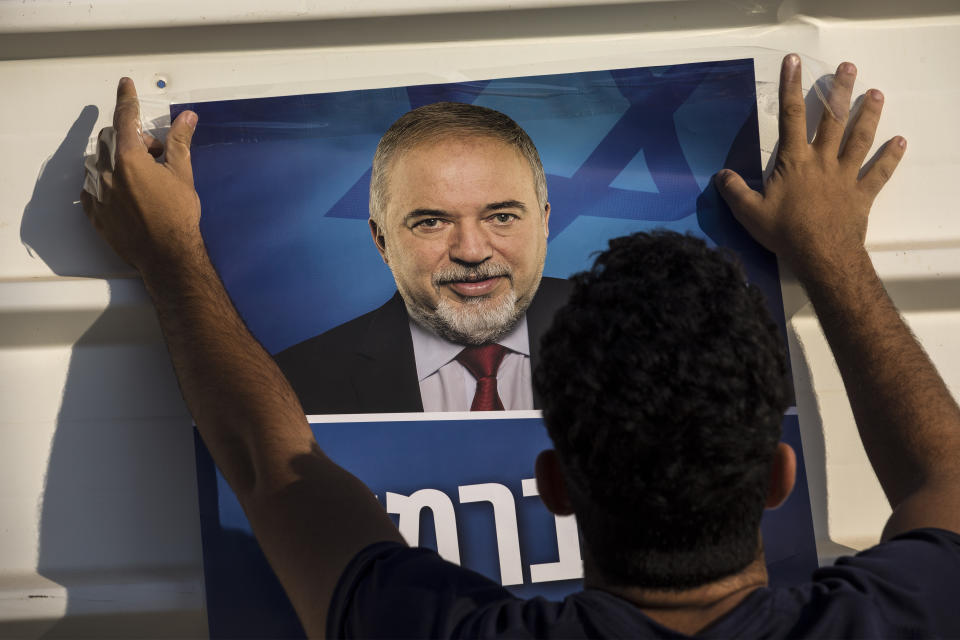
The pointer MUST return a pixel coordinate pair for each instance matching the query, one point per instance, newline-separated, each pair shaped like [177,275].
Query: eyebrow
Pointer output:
[439,213]
[506,204]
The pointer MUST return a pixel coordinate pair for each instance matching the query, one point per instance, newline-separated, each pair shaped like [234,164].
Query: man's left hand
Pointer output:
[148,211]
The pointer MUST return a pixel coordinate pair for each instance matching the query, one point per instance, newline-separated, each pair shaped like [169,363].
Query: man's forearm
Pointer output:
[309,515]
[908,421]
[247,419]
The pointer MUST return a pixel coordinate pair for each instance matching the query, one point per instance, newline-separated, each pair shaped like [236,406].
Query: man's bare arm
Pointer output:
[309,515]
[814,215]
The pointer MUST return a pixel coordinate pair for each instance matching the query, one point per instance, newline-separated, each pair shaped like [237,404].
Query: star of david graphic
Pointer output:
[624,151]
[646,123]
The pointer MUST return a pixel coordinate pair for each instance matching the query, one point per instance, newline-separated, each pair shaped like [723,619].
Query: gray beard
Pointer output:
[474,322]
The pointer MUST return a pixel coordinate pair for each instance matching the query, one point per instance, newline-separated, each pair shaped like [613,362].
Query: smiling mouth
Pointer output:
[474,287]
[473,282]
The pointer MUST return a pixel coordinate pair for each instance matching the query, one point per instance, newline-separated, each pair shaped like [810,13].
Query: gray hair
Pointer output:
[434,121]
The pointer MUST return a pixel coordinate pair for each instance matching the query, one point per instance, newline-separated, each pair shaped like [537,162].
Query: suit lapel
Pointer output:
[386,374]
[551,295]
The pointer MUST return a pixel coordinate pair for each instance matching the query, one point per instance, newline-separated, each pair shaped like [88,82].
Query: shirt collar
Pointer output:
[432,352]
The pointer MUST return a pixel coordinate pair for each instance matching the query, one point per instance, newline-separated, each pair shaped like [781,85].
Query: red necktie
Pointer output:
[482,363]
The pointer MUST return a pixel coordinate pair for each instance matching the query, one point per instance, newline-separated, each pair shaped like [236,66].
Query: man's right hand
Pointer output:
[148,211]
[814,209]
[814,215]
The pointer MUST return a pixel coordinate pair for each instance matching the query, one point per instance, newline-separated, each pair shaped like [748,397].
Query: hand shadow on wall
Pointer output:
[54,227]
[119,526]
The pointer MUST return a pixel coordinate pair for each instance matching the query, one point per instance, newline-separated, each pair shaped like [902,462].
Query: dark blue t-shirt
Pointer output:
[907,587]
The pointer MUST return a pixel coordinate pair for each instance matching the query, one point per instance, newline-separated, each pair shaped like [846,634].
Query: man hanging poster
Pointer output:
[479,206]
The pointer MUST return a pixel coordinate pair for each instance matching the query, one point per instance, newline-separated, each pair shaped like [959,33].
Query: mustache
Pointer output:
[462,273]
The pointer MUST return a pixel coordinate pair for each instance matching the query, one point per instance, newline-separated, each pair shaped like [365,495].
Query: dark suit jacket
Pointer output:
[367,365]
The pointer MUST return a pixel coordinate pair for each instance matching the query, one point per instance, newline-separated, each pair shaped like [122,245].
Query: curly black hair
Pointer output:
[663,389]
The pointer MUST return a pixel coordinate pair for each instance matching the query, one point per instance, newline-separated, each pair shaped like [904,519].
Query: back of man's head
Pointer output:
[663,389]
[441,120]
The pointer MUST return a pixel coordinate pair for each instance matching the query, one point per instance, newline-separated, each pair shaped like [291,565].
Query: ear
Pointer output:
[546,220]
[551,484]
[783,474]
[378,239]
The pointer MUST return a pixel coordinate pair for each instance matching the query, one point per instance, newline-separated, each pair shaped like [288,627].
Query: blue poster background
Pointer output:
[284,185]
[284,181]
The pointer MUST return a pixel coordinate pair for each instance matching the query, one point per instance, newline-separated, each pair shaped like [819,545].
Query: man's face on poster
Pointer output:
[464,235]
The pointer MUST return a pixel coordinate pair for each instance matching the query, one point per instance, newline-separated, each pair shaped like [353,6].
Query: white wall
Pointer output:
[99,533]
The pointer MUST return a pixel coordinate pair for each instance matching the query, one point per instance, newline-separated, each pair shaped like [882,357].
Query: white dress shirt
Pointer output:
[446,385]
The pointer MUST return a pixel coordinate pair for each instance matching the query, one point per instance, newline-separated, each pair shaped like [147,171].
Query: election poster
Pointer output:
[285,184]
